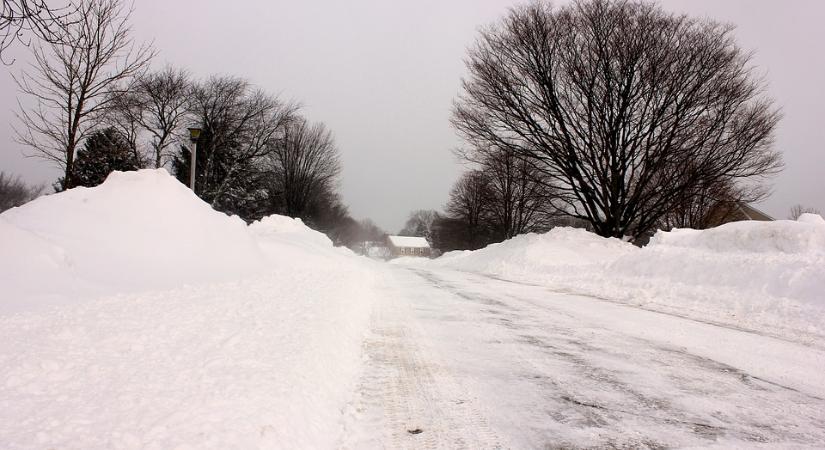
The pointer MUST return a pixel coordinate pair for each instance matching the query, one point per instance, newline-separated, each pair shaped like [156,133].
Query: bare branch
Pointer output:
[76,80]
[22,20]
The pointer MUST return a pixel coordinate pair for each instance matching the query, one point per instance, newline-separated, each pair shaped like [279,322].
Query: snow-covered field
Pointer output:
[132,315]
[763,276]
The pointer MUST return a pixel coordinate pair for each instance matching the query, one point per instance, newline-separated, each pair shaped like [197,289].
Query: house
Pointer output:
[408,246]
[724,213]
[719,214]
[748,212]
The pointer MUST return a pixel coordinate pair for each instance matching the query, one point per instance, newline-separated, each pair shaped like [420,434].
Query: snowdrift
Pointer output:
[137,231]
[559,249]
[778,260]
[287,240]
[767,276]
[171,325]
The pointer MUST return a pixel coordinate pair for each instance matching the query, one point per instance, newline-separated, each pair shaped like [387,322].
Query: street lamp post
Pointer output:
[194,134]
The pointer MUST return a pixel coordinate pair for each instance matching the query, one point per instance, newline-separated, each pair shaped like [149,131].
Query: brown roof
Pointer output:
[751,213]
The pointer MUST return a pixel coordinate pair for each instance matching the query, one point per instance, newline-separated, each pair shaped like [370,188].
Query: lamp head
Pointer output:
[194,134]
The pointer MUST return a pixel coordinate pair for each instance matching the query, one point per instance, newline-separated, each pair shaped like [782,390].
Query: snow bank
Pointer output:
[274,230]
[766,276]
[288,241]
[290,228]
[221,336]
[805,236]
[781,259]
[559,249]
[137,231]
[270,362]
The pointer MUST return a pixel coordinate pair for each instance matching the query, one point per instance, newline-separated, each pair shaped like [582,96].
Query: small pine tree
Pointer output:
[103,152]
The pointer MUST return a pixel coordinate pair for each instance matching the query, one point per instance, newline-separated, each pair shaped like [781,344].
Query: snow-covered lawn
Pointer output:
[132,315]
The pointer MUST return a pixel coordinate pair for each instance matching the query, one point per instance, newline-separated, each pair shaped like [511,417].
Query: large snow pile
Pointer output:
[221,336]
[767,276]
[137,231]
[558,250]
[782,259]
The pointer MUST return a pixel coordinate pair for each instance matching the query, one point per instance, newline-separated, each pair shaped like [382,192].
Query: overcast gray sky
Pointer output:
[382,75]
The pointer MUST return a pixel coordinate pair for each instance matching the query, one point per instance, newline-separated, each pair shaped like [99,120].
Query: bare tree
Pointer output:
[627,109]
[75,81]
[711,206]
[798,210]
[370,232]
[520,200]
[157,105]
[328,214]
[305,165]
[164,98]
[419,223]
[242,127]
[124,115]
[15,192]
[19,18]
[469,207]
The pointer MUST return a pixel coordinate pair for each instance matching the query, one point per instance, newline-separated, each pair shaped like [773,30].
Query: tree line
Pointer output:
[99,108]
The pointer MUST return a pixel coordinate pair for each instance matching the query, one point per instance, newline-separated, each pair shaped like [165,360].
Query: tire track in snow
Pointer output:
[606,397]
[810,341]
[404,399]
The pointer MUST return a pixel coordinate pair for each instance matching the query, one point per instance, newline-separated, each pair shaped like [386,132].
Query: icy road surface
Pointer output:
[457,360]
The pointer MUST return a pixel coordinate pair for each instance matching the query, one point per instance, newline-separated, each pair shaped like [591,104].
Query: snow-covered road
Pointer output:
[459,360]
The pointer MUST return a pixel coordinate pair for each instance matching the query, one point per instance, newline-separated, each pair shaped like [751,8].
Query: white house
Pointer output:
[408,246]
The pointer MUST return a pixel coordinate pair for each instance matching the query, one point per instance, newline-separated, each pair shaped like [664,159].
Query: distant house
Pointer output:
[408,246]
[720,214]
[748,212]
[734,212]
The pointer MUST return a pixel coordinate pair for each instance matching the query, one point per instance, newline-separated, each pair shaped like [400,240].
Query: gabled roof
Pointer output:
[409,241]
[752,213]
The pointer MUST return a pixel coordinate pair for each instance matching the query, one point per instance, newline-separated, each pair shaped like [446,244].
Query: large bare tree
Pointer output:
[74,81]
[624,107]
